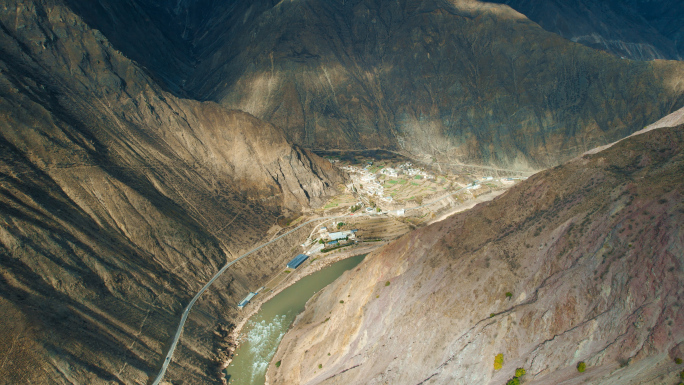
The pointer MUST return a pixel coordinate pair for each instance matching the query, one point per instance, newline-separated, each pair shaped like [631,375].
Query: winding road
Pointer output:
[186,312]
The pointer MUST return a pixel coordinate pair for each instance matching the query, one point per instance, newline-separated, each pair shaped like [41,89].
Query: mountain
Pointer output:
[461,82]
[118,201]
[635,29]
[579,263]
[458,81]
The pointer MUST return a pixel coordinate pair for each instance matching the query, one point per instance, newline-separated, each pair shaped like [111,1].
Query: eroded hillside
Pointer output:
[459,81]
[580,263]
[118,201]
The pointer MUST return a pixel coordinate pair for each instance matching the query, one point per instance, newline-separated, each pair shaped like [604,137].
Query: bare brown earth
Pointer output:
[591,253]
[118,201]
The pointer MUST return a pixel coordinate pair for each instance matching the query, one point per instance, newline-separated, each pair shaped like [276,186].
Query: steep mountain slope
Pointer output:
[635,29]
[460,81]
[580,263]
[118,201]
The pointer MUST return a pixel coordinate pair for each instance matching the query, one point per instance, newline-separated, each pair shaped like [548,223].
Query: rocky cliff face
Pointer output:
[634,29]
[118,201]
[580,263]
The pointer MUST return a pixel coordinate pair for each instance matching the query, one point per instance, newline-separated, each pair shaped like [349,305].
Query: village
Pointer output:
[384,198]
[396,185]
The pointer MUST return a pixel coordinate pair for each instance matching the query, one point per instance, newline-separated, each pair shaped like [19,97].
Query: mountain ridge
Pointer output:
[579,263]
[119,200]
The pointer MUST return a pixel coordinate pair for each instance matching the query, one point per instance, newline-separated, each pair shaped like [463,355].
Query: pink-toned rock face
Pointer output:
[591,253]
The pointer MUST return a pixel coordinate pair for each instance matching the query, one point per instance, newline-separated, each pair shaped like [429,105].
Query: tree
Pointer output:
[498,361]
[581,366]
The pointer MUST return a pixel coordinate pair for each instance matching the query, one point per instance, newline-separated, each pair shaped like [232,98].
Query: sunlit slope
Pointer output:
[579,263]
[118,201]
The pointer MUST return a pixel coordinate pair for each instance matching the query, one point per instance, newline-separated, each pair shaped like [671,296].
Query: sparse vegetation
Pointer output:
[678,361]
[287,271]
[581,366]
[519,373]
[624,362]
[327,249]
[498,361]
[387,283]
[491,315]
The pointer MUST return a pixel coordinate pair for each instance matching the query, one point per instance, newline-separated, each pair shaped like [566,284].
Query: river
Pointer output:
[266,328]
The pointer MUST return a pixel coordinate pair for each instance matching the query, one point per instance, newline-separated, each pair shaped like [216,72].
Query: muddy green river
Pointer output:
[265,329]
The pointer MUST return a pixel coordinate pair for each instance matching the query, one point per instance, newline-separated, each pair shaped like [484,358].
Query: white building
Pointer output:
[342,235]
[389,171]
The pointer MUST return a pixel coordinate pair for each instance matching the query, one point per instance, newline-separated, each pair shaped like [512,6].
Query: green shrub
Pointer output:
[491,315]
[320,366]
[387,283]
[341,301]
[581,366]
[681,374]
[520,372]
[678,361]
[509,294]
[498,361]
[513,381]
[278,364]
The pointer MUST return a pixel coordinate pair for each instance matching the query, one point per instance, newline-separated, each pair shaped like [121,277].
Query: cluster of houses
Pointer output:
[408,170]
[372,187]
[363,177]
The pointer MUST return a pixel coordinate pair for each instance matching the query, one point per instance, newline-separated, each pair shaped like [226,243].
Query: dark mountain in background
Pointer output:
[118,201]
[458,82]
[579,263]
[143,143]
[464,82]
[633,29]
